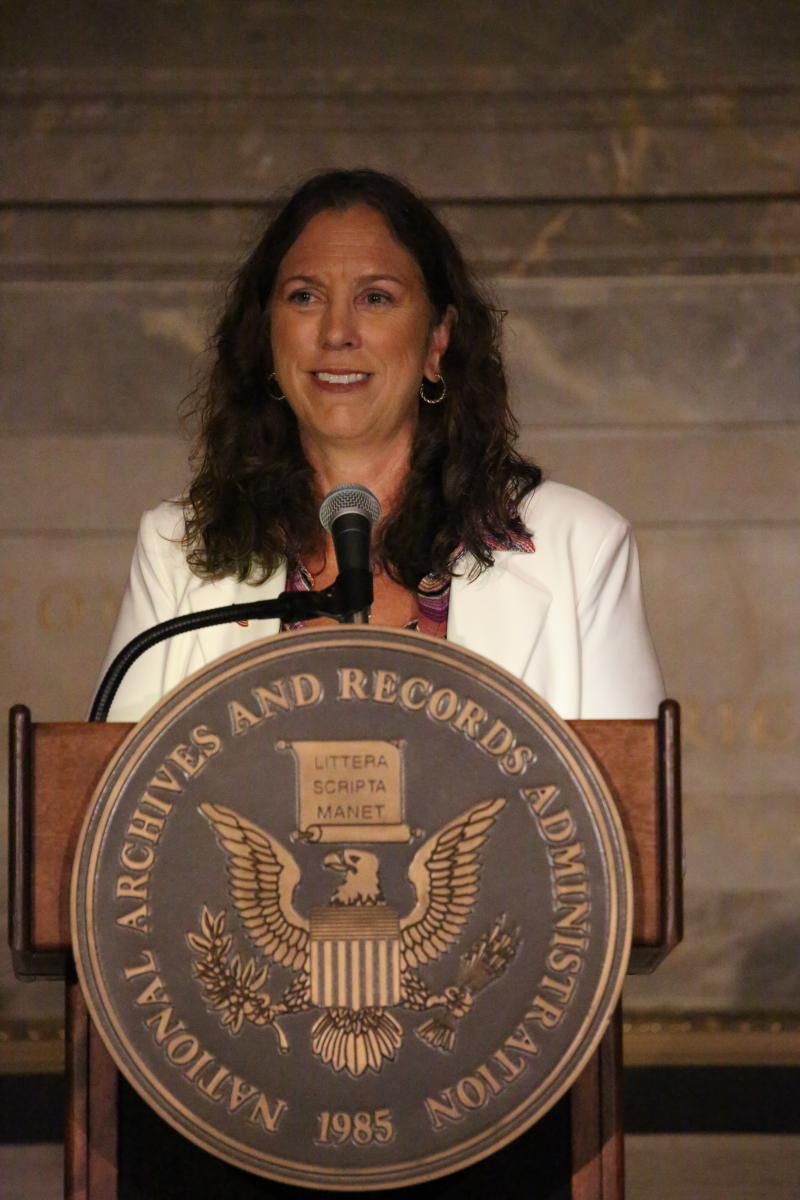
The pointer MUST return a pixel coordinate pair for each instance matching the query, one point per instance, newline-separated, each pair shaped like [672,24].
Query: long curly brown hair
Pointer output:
[253,500]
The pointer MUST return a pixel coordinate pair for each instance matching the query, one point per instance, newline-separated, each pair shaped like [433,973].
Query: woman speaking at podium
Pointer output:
[356,347]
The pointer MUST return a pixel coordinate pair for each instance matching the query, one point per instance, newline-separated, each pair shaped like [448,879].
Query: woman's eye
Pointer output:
[300,296]
[377,299]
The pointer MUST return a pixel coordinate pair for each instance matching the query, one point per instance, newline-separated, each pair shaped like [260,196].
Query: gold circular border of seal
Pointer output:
[582,768]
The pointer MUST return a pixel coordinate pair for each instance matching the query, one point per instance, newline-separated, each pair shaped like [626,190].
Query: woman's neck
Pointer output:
[383,470]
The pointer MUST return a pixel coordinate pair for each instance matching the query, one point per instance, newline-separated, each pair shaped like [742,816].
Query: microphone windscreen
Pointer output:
[345,499]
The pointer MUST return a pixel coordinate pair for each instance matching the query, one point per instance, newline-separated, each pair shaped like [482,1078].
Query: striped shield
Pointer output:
[355,957]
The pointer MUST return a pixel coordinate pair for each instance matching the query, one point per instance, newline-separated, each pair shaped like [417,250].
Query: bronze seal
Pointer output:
[351,908]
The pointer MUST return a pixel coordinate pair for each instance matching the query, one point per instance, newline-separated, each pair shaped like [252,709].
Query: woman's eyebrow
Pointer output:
[379,277]
[299,279]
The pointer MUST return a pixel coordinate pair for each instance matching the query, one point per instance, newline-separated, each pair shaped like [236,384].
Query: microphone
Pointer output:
[348,513]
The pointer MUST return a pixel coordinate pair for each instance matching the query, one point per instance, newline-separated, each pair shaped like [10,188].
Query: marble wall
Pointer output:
[627,178]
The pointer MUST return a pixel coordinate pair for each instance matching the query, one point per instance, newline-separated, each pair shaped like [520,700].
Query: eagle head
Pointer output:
[361,883]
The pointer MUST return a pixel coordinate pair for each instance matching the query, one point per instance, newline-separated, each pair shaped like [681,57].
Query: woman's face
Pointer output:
[351,329]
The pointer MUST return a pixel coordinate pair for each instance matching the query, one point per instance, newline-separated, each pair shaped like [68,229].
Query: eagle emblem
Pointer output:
[356,959]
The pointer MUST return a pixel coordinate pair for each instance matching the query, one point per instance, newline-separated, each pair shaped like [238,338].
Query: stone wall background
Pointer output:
[627,176]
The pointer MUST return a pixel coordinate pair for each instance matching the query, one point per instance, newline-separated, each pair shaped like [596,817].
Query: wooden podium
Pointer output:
[54,770]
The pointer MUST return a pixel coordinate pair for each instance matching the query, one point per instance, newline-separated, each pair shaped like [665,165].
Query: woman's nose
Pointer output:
[339,326]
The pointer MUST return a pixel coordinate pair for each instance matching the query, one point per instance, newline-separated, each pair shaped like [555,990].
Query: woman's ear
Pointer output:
[439,341]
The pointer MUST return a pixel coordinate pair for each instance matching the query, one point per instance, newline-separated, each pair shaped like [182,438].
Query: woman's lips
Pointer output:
[340,381]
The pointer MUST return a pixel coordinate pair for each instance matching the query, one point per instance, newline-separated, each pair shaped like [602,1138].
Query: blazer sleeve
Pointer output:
[620,675]
[150,597]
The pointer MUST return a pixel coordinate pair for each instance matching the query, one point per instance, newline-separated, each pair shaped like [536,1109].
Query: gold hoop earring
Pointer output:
[280,396]
[433,399]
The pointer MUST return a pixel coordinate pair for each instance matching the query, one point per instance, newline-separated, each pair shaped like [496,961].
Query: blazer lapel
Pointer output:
[501,613]
[220,639]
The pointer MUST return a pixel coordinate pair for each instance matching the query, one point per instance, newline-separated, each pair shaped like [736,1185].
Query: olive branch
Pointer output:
[231,985]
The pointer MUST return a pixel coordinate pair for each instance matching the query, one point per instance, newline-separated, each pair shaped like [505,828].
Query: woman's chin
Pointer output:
[355,429]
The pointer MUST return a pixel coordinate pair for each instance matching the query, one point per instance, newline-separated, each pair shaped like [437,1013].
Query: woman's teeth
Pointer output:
[331,377]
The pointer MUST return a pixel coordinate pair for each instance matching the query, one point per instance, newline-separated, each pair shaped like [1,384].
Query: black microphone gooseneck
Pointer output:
[351,511]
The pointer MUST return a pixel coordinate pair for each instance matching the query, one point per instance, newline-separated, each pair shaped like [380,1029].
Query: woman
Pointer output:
[356,348]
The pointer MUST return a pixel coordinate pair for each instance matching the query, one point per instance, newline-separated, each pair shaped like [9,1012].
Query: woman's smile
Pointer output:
[340,381]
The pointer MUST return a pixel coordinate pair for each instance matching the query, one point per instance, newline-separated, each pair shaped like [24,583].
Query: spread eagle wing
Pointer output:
[262,878]
[445,872]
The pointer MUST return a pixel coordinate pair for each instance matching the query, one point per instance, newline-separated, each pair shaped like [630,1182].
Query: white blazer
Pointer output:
[568,619]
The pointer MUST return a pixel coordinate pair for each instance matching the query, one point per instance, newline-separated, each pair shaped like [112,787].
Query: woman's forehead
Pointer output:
[357,240]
